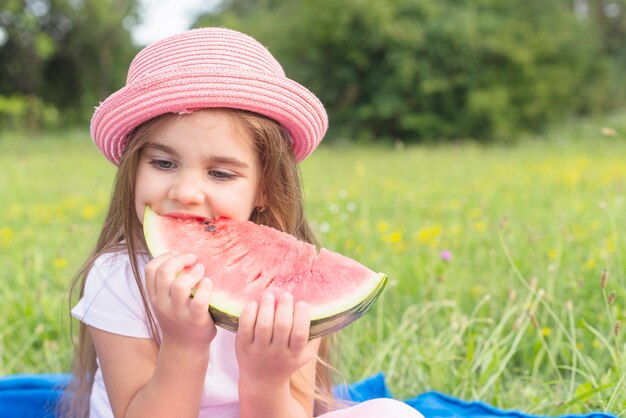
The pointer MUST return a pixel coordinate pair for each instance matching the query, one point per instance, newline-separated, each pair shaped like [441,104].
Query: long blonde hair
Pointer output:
[281,187]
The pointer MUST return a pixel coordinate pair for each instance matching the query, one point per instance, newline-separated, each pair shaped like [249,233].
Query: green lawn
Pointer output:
[496,257]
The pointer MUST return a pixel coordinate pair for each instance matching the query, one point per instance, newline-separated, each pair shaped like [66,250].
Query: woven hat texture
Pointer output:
[204,68]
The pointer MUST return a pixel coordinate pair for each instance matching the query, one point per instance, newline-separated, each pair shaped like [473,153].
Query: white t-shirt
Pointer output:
[112,302]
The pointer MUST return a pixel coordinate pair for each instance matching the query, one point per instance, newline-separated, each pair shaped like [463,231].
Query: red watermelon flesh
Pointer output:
[244,259]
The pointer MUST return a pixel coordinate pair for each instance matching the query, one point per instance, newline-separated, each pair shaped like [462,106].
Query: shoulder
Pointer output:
[112,297]
[112,272]
[117,261]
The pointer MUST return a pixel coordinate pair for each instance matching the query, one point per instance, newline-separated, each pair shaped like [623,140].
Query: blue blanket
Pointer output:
[435,404]
[34,396]
[30,395]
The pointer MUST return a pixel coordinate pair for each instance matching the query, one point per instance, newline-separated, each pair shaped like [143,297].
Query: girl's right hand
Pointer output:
[170,281]
[145,380]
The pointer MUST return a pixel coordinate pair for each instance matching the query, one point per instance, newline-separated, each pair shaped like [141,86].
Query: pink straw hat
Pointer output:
[202,68]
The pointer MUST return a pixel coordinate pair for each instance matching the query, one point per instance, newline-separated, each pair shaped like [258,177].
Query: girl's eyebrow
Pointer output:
[229,161]
[161,147]
[216,159]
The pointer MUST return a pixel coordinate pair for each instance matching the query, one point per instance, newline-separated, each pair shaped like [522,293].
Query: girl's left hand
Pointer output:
[273,339]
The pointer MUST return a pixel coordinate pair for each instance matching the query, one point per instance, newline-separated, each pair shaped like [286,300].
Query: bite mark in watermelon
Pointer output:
[244,259]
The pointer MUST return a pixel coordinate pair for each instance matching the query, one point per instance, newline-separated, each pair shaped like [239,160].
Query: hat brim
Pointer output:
[289,103]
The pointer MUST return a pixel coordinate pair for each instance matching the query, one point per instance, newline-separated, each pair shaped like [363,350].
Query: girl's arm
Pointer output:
[143,380]
[272,345]
[140,383]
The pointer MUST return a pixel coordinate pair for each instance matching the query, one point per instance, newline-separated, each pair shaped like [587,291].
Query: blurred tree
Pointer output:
[431,69]
[609,19]
[65,53]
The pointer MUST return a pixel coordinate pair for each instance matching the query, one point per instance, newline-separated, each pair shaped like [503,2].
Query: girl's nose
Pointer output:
[187,189]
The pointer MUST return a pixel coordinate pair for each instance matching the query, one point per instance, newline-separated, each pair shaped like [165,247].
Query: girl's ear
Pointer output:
[261,202]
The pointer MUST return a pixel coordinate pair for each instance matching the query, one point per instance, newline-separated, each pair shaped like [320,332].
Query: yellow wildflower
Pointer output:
[6,235]
[88,212]
[429,235]
[59,263]
[480,226]
[395,236]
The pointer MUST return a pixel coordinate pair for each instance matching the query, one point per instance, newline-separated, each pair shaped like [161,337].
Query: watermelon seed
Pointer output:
[210,228]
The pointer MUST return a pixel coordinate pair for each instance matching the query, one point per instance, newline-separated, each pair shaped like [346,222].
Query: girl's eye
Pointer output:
[221,175]
[162,164]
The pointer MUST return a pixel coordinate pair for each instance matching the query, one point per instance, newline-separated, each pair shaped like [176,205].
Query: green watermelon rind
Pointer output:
[325,319]
[320,324]
[155,247]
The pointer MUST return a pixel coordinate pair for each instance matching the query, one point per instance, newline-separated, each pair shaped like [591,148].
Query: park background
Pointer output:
[476,154]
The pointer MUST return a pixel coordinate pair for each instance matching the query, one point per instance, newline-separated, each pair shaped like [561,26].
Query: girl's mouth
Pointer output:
[181,215]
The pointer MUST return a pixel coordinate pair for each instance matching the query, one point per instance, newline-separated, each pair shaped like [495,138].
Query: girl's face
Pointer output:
[199,165]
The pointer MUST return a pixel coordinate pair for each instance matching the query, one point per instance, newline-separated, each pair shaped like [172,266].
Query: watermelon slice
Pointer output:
[243,259]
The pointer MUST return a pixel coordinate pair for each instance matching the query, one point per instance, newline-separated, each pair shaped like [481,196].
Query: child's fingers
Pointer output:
[168,277]
[165,271]
[183,284]
[151,268]
[201,298]
[301,326]
[247,322]
[182,288]
[197,271]
[283,320]
[265,320]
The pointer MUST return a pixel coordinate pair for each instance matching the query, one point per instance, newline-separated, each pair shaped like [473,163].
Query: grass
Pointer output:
[507,263]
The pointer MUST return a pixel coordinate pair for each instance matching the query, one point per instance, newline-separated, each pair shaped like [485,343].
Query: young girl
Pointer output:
[206,126]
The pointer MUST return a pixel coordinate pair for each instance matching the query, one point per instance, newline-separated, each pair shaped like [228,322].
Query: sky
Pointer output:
[162,18]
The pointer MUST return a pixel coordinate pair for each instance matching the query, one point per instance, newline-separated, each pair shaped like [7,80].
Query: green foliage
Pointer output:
[425,70]
[68,54]
[410,70]
[18,112]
